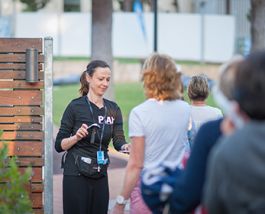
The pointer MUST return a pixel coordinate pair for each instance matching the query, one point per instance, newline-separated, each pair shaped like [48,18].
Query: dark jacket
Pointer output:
[236,176]
[188,188]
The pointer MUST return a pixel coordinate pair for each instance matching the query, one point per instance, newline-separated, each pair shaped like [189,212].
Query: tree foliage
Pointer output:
[13,196]
[34,5]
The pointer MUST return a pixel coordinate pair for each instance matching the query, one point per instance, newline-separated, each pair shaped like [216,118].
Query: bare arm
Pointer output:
[82,132]
[133,170]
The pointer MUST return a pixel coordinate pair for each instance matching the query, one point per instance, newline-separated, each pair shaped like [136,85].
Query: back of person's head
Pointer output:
[198,89]
[224,89]
[227,76]
[90,70]
[249,90]
[161,78]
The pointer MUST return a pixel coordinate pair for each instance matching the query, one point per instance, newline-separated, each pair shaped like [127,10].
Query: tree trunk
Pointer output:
[101,47]
[184,6]
[257,20]
[227,7]
[127,5]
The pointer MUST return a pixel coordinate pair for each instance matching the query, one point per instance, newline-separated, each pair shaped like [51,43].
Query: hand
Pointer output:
[227,126]
[118,209]
[81,132]
[126,148]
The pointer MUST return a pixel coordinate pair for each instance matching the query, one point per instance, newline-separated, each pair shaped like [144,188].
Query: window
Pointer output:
[72,5]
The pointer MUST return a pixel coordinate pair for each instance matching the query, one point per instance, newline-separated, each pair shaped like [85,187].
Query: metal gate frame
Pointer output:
[48,125]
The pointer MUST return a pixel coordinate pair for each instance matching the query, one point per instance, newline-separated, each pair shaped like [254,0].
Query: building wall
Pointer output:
[178,34]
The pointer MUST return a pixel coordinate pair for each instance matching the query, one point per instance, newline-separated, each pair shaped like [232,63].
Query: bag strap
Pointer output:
[63,160]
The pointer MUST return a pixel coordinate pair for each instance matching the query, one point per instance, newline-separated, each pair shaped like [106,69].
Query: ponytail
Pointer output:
[84,84]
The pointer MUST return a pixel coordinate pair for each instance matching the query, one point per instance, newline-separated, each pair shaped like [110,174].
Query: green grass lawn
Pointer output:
[127,96]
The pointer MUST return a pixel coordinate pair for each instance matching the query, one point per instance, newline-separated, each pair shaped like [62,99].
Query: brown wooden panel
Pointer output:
[21,97]
[22,135]
[21,127]
[21,84]
[19,75]
[16,66]
[38,211]
[24,148]
[30,187]
[18,58]
[21,110]
[34,187]
[21,119]
[8,45]
[36,199]
[37,187]
[36,175]
[29,161]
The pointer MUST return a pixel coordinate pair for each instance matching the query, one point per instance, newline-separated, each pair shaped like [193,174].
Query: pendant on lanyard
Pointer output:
[95,127]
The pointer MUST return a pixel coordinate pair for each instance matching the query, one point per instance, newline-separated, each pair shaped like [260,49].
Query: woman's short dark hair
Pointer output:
[198,89]
[90,69]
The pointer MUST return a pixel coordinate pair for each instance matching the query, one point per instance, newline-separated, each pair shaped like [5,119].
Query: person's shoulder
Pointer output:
[216,110]
[147,104]
[77,100]
[110,104]
[229,145]
[183,103]
[210,130]
[212,123]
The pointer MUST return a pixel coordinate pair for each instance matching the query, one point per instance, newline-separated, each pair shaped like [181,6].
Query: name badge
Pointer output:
[100,157]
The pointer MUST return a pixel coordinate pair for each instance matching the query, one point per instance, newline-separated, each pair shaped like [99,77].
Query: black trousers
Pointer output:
[82,195]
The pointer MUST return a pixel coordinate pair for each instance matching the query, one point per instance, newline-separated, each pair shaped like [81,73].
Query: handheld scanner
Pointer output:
[94,127]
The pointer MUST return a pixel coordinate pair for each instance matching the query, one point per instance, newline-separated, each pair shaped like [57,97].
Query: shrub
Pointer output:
[13,195]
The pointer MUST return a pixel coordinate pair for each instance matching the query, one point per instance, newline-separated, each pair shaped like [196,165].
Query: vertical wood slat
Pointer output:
[21,111]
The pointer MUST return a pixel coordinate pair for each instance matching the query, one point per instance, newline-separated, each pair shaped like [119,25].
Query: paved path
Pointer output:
[115,172]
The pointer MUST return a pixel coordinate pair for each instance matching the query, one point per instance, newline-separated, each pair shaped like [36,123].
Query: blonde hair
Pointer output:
[160,77]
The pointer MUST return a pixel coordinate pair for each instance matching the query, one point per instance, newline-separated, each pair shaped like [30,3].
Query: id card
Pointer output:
[100,157]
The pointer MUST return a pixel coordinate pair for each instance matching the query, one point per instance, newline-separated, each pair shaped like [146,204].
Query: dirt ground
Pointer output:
[129,72]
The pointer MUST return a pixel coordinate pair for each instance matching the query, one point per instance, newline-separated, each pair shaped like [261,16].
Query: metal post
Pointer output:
[155,25]
[202,12]
[227,7]
[48,126]
[14,18]
[60,11]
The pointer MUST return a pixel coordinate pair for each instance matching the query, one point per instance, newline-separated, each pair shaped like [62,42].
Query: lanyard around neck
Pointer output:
[103,126]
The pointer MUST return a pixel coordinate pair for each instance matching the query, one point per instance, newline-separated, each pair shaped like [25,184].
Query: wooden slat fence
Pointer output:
[22,113]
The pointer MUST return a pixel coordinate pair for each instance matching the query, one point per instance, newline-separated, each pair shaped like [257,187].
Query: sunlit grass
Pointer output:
[127,96]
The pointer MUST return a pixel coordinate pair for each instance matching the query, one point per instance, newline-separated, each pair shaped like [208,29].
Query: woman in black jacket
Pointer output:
[88,125]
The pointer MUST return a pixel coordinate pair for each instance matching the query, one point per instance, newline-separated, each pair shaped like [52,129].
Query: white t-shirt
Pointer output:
[164,125]
[202,114]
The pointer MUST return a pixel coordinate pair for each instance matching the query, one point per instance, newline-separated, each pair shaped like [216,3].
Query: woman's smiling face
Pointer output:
[99,81]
